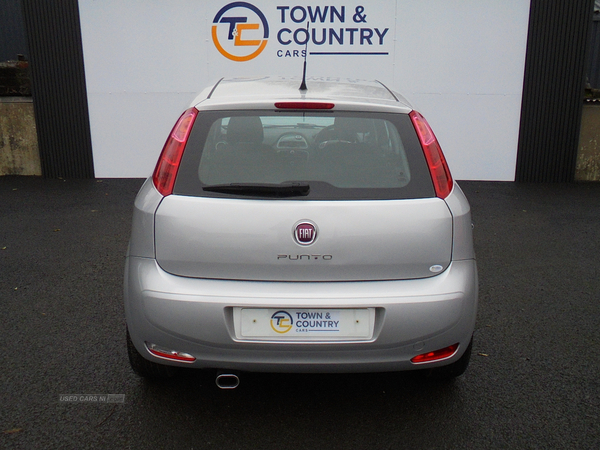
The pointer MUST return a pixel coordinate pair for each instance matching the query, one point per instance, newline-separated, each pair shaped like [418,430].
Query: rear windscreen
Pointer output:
[339,155]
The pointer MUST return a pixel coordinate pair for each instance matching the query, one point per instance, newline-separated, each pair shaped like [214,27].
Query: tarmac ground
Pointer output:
[533,381]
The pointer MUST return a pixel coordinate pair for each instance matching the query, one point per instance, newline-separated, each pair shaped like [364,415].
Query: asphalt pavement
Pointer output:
[65,382]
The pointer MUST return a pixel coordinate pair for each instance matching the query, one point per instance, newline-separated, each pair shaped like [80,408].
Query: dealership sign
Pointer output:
[446,56]
[241,31]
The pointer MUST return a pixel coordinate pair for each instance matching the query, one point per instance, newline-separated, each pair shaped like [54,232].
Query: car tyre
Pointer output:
[451,371]
[147,369]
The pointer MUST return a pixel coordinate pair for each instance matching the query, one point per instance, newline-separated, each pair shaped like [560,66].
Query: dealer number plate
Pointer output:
[289,324]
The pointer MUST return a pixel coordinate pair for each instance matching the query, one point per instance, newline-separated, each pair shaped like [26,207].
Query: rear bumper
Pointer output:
[195,316]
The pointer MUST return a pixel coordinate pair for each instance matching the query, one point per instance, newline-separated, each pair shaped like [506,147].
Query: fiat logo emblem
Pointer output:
[305,233]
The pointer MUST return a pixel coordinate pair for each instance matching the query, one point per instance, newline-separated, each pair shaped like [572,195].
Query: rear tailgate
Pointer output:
[243,239]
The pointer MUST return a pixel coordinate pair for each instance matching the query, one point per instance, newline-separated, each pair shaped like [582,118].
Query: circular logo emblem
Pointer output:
[305,233]
[240,31]
[282,322]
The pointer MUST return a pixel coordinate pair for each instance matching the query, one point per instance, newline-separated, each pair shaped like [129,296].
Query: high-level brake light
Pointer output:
[438,167]
[168,163]
[304,105]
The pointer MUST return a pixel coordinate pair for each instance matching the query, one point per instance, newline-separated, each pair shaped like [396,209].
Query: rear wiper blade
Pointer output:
[261,189]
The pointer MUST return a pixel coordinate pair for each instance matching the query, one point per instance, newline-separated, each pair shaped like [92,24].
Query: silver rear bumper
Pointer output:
[195,316]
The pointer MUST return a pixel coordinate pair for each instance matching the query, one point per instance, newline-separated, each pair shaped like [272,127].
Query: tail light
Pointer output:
[170,157]
[438,167]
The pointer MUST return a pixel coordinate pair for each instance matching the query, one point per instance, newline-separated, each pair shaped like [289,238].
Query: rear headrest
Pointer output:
[347,127]
[245,129]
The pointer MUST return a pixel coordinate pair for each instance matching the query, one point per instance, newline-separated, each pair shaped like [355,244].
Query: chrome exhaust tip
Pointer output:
[227,380]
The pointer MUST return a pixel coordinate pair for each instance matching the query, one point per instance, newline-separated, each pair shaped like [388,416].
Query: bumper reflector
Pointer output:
[435,355]
[162,352]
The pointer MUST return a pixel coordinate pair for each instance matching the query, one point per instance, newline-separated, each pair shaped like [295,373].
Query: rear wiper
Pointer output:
[261,189]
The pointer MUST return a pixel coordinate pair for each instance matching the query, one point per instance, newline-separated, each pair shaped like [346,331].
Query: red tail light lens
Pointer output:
[436,355]
[438,167]
[168,163]
[304,105]
[169,354]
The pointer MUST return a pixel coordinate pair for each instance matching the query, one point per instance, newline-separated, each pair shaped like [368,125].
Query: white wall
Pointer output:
[460,61]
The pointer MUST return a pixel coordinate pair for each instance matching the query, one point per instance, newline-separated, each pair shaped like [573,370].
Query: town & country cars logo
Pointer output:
[240,31]
[282,322]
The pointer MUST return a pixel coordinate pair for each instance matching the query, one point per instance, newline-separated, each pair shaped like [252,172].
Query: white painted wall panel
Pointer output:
[460,61]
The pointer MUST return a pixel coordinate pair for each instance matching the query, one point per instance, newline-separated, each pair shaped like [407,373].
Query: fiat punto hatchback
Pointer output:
[300,230]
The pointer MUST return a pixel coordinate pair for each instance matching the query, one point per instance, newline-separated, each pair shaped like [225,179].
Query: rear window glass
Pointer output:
[340,155]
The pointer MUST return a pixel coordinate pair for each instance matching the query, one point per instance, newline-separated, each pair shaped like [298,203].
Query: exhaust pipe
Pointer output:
[227,380]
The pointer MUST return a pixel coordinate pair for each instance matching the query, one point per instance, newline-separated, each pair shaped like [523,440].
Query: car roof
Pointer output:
[261,92]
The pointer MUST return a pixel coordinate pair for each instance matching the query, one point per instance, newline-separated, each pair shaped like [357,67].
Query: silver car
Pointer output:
[300,230]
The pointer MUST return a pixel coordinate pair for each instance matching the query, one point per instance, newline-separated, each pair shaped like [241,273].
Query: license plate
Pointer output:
[290,324]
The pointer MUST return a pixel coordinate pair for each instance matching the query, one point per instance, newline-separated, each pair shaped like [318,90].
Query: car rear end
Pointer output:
[290,231]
